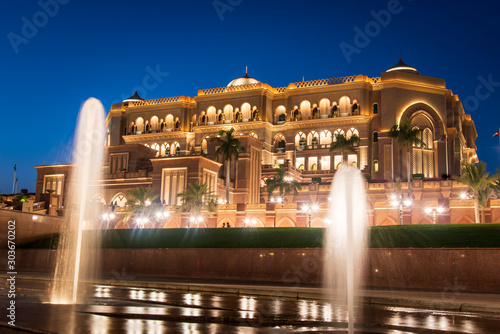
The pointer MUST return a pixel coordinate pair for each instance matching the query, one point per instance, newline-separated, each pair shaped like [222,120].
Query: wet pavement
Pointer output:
[111,309]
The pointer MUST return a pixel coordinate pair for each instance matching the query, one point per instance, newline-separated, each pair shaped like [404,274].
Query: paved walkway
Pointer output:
[453,298]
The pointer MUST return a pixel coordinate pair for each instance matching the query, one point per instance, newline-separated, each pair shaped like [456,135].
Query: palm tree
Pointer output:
[279,182]
[478,180]
[229,148]
[407,137]
[140,202]
[343,144]
[196,198]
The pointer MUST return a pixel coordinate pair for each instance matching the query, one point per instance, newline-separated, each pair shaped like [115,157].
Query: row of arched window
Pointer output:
[312,139]
[325,109]
[165,149]
[153,125]
[227,115]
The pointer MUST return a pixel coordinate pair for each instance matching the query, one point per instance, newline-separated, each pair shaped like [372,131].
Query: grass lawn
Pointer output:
[406,236]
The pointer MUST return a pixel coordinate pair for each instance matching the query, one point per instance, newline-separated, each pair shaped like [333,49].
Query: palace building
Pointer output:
[165,143]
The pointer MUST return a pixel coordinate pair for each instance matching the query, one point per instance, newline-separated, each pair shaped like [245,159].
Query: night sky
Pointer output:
[53,62]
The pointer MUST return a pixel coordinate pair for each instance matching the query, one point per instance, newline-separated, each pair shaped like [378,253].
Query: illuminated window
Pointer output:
[324,107]
[375,165]
[350,132]
[246,110]
[423,155]
[305,108]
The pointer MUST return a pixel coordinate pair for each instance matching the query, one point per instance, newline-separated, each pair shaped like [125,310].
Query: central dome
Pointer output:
[246,80]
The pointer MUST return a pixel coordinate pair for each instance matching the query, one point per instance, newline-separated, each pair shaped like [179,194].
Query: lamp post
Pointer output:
[434,212]
[250,222]
[196,220]
[400,202]
[161,216]
[310,209]
[107,217]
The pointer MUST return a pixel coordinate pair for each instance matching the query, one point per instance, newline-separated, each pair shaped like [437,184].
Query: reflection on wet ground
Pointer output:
[133,310]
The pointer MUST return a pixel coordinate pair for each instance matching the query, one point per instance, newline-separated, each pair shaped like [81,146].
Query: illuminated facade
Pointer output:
[165,143]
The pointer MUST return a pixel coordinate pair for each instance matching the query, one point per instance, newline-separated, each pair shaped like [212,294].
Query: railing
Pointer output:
[155,101]
[323,82]
[219,90]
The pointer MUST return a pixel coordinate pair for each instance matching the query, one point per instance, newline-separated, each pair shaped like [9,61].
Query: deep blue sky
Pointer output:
[102,49]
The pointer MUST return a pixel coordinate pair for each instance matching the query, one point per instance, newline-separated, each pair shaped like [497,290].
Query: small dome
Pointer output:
[134,97]
[246,80]
[401,66]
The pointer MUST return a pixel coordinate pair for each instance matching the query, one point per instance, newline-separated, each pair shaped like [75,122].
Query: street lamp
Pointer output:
[141,222]
[310,209]
[249,222]
[400,202]
[434,212]
[161,216]
[196,220]
[464,195]
[107,217]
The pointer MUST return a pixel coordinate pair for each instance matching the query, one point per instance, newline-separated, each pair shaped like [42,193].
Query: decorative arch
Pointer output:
[350,132]
[171,223]
[280,143]
[169,120]
[345,106]
[154,123]
[318,222]
[224,221]
[336,133]
[212,114]
[388,221]
[466,220]
[156,147]
[285,222]
[421,108]
[325,137]
[228,112]
[313,138]
[100,199]
[300,140]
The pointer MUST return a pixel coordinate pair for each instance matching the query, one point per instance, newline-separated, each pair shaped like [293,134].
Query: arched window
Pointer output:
[375,108]
[156,147]
[300,141]
[314,167]
[325,138]
[281,110]
[345,106]
[119,200]
[175,149]
[246,110]
[139,125]
[212,115]
[324,107]
[354,108]
[305,109]
[301,167]
[375,137]
[423,155]
[154,123]
[375,165]
[228,113]
[169,120]
[336,133]
[162,149]
[313,138]
[280,143]
[204,146]
[350,132]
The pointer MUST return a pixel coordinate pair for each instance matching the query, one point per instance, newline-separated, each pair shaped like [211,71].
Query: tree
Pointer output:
[229,148]
[478,179]
[406,137]
[343,144]
[196,198]
[140,201]
[285,186]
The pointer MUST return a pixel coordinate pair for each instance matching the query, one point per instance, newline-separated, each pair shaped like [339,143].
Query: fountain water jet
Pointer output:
[345,238]
[73,253]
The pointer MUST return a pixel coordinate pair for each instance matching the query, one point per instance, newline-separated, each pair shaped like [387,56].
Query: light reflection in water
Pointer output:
[191,312]
[137,294]
[190,328]
[99,324]
[327,312]
[102,292]
[192,299]
[247,304]
[155,296]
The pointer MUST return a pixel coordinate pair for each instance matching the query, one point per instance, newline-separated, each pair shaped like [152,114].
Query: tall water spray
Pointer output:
[75,252]
[345,239]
